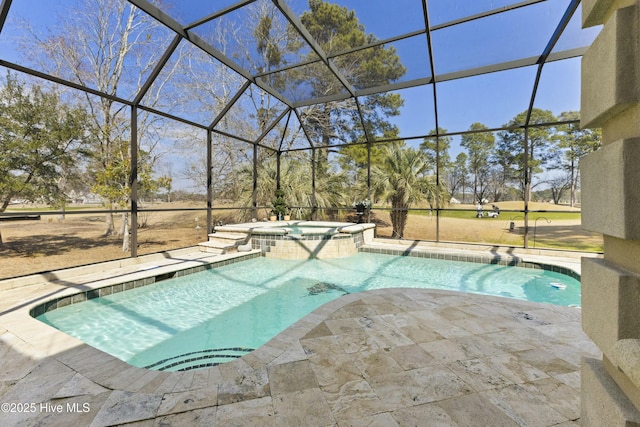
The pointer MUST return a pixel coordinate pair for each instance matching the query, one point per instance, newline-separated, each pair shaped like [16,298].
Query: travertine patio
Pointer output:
[380,358]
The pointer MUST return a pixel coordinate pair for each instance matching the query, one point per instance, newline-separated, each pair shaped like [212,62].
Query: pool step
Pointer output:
[199,359]
[223,242]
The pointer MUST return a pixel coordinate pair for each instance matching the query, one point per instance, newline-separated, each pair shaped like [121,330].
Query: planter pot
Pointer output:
[273,218]
[287,217]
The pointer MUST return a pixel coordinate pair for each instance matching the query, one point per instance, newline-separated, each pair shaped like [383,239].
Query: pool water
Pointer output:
[217,315]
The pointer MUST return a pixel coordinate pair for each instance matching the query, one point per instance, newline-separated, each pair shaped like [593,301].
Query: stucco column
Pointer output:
[611,206]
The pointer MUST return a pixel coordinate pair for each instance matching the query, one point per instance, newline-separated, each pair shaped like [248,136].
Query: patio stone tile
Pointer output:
[125,406]
[475,410]
[445,351]
[320,346]
[439,382]
[205,417]
[557,395]
[343,326]
[508,341]
[411,356]
[417,416]
[334,371]
[149,382]
[266,353]
[546,362]
[353,310]
[253,412]
[125,377]
[354,399]
[420,333]
[79,385]
[441,325]
[384,419]
[77,410]
[185,379]
[232,393]
[513,369]
[375,363]
[239,372]
[480,326]
[571,379]
[524,406]
[13,366]
[200,379]
[475,346]
[321,330]
[304,408]
[102,370]
[361,342]
[294,353]
[168,385]
[36,388]
[551,315]
[85,356]
[478,374]
[291,377]
[418,386]
[454,313]
[188,400]
[566,352]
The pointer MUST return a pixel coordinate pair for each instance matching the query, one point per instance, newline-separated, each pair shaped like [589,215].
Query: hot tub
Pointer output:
[304,239]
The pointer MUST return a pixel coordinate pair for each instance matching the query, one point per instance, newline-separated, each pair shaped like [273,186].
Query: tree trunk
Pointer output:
[124,225]
[572,196]
[475,186]
[109,228]
[398,221]
[125,232]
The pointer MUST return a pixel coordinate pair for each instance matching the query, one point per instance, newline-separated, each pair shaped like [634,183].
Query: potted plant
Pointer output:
[279,209]
[361,207]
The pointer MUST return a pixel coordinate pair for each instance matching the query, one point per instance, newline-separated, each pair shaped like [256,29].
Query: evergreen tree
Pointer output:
[573,144]
[337,29]
[41,138]
[479,147]
[41,141]
[437,149]
[457,175]
[511,148]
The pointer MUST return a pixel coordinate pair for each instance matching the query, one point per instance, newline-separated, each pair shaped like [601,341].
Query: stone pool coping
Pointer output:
[280,227]
[43,365]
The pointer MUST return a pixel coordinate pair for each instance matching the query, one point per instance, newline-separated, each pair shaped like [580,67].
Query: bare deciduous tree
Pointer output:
[110,46]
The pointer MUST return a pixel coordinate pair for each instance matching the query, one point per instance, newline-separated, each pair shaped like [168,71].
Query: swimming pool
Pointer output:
[220,314]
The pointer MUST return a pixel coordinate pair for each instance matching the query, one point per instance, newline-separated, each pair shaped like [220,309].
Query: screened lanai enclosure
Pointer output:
[131,127]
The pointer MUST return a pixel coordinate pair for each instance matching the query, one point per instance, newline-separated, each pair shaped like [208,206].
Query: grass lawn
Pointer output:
[553,227]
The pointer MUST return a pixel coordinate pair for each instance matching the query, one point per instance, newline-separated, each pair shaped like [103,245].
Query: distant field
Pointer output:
[547,229]
[58,241]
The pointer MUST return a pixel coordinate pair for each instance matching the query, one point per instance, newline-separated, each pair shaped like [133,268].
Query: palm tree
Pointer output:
[295,181]
[400,179]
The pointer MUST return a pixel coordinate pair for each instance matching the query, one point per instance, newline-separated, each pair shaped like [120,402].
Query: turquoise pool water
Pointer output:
[217,315]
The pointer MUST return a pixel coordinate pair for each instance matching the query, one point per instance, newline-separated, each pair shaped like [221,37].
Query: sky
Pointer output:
[492,99]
